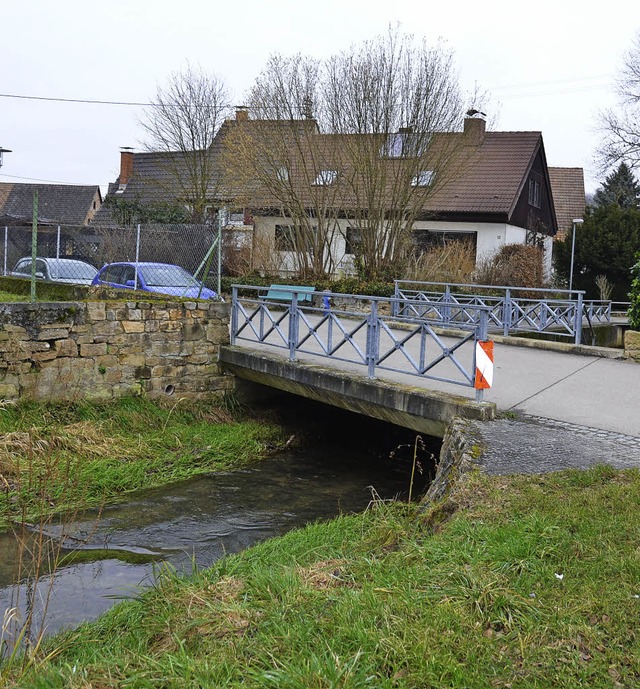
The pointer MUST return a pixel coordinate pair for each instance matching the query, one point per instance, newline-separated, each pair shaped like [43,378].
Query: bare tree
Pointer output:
[182,125]
[621,127]
[347,144]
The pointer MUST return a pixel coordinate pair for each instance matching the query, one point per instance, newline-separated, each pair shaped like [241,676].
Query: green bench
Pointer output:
[284,293]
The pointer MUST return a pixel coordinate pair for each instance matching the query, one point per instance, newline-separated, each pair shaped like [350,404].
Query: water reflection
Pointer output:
[202,520]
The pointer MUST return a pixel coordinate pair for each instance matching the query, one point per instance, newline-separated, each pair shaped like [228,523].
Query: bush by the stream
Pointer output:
[634,296]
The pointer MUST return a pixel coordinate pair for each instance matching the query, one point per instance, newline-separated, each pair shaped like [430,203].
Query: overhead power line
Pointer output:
[76,100]
[46,181]
[558,86]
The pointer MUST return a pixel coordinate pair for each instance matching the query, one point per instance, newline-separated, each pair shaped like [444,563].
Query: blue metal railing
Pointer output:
[560,312]
[374,338]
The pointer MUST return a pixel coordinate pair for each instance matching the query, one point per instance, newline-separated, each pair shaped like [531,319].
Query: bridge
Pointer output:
[415,372]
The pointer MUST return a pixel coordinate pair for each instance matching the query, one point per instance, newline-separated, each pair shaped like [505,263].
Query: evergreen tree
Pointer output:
[620,187]
[606,244]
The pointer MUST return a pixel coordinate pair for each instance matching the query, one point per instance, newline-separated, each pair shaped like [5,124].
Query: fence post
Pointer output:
[234,314]
[446,311]
[293,326]
[135,278]
[58,242]
[578,319]
[34,244]
[371,349]
[394,303]
[506,312]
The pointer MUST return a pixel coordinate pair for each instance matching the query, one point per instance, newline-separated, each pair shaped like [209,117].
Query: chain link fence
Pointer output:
[188,257]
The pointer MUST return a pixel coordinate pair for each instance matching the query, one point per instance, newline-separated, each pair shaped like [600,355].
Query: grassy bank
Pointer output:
[514,582]
[54,457]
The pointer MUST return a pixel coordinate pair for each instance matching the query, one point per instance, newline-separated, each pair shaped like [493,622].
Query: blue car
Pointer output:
[164,278]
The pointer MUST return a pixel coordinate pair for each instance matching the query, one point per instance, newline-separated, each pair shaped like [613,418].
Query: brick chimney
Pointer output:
[474,130]
[126,167]
[242,113]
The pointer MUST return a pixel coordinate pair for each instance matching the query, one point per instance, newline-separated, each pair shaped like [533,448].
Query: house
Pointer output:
[495,188]
[62,211]
[569,197]
[58,204]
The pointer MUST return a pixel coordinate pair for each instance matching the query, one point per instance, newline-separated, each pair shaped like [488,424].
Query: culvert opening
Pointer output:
[169,390]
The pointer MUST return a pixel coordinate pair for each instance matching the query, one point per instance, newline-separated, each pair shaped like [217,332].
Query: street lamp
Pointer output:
[3,150]
[576,221]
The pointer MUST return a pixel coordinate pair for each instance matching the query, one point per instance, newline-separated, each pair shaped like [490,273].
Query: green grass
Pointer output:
[65,456]
[532,582]
[10,296]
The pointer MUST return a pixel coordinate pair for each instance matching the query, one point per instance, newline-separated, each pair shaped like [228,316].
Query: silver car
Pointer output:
[66,270]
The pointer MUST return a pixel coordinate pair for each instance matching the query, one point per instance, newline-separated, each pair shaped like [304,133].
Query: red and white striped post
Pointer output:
[484,367]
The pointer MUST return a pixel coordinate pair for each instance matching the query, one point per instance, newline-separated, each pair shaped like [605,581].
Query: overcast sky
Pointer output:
[549,65]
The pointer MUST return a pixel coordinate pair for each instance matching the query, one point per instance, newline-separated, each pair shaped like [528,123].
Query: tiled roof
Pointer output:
[491,179]
[488,180]
[567,186]
[68,204]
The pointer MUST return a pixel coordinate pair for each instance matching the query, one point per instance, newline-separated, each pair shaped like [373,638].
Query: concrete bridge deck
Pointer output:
[587,386]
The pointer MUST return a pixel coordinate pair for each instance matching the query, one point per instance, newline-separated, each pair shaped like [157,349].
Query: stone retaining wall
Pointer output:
[109,349]
[632,344]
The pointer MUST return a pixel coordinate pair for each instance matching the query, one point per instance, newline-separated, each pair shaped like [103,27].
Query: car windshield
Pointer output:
[59,269]
[167,276]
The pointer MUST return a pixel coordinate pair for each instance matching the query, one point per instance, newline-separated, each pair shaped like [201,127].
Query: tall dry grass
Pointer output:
[452,262]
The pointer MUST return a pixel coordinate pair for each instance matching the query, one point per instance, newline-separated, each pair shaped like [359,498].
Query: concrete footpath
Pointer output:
[560,407]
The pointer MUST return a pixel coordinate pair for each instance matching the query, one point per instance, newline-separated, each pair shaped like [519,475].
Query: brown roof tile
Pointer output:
[567,186]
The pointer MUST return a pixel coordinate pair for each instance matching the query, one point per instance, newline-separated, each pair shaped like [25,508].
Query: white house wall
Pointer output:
[490,237]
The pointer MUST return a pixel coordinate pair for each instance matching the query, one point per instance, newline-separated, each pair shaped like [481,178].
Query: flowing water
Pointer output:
[203,519]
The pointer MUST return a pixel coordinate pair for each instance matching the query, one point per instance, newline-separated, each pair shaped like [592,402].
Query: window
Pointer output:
[423,179]
[534,193]
[405,144]
[352,240]
[326,177]
[285,238]
[282,174]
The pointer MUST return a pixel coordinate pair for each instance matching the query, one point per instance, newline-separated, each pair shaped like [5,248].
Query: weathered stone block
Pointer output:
[65,348]
[170,326]
[90,350]
[166,371]
[133,326]
[131,359]
[52,334]
[96,311]
[192,331]
[107,328]
[44,356]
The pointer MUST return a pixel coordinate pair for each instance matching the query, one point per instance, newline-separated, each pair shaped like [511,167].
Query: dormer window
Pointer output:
[404,144]
[423,179]
[326,177]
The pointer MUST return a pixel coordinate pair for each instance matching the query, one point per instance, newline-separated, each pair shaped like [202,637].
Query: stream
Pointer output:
[201,520]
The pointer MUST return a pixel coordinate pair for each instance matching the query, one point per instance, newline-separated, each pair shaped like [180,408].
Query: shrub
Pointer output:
[634,296]
[514,265]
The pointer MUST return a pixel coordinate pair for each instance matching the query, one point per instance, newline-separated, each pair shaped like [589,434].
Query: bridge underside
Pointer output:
[422,410]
